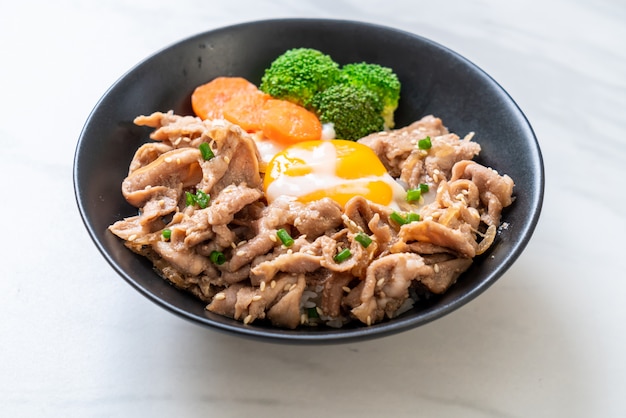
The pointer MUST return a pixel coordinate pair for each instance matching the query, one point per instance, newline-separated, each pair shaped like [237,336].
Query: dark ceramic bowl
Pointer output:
[435,80]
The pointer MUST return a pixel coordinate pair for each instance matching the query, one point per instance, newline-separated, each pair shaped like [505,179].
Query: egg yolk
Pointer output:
[337,169]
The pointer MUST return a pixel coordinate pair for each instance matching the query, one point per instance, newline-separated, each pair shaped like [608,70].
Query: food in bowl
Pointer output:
[325,232]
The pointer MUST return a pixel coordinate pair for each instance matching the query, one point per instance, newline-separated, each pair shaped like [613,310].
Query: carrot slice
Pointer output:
[207,100]
[246,110]
[287,122]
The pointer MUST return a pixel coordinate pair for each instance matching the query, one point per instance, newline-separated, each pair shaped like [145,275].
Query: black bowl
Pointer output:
[435,80]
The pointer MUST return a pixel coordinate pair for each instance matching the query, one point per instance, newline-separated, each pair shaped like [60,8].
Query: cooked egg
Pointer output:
[337,169]
[268,148]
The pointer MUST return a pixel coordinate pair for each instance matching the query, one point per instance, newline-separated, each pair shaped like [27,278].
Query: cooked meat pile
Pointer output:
[260,278]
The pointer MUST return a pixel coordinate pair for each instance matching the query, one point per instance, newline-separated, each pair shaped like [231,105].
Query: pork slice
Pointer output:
[286,312]
[280,213]
[445,274]
[333,292]
[427,249]
[495,190]
[181,257]
[247,303]
[174,169]
[172,129]
[353,298]
[455,206]
[412,172]
[294,262]
[266,296]
[163,201]
[245,253]
[146,154]
[446,151]
[155,119]
[372,218]
[394,147]
[384,235]
[358,261]
[361,211]
[196,227]
[460,240]
[156,188]
[236,158]
[224,236]
[386,285]
[131,228]
[428,125]
[244,299]
[276,215]
[229,201]
[202,285]
[317,217]
[464,188]
[399,152]
[223,303]
[236,276]
[391,147]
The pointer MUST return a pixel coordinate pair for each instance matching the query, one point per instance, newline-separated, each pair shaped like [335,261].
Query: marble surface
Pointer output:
[547,340]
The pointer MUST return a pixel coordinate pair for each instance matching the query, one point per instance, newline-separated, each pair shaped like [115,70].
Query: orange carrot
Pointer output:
[288,123]
[246,110]
[207,100]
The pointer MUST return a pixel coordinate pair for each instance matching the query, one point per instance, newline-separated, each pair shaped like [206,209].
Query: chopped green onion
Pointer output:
[397,218]
[206,151]
[363,239]
[424,143]
[217,257]
[284,237]
[412,217]
[190,199]
[167,234]
[401,220]
[342,255]
[413,195]
[202,199]
[312,313]
[424,188]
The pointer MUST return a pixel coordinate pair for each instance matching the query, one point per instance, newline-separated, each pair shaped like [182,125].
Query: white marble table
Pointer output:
[547,340]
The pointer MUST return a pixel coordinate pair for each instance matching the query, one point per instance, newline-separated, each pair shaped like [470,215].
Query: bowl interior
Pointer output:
[435,80]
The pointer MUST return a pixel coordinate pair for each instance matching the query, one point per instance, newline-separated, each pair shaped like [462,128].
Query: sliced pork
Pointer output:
[225,249]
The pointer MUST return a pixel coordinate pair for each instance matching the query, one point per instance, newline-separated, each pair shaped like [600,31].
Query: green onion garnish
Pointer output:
[412,217]
[217,257]
[401,220]
[342,255]
[284,237]
[397,218]
[424,188]
[363,239]
[206,151]
[190,199]
[413,195]
[424,143]
[312,313]
[167,234]
[202,199]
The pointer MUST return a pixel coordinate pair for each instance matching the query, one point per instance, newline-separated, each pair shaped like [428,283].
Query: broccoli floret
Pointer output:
[298,74]
[381,80]
[354,111]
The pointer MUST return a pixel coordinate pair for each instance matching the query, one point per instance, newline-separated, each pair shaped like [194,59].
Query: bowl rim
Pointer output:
[327,336]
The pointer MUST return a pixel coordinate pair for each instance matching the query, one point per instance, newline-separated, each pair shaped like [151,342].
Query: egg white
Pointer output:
[268,148]
[323,162]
